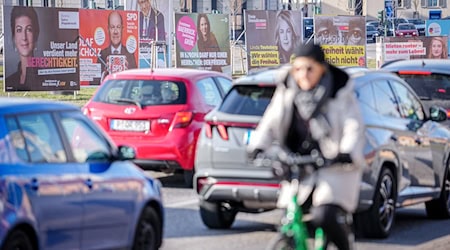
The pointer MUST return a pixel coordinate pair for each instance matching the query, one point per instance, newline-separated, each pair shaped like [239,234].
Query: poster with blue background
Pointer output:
[438,28]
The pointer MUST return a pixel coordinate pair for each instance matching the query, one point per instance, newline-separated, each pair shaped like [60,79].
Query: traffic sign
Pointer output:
[389,9]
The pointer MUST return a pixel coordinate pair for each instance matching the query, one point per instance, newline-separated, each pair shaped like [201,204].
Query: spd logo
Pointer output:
[132,16]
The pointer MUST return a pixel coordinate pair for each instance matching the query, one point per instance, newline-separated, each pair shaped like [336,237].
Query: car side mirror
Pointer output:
[438,114]
[127,153]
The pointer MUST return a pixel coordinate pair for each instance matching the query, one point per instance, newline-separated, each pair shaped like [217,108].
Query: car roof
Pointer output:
[12,105]
[184,73]
[264,76]
[433,65]
[268,77]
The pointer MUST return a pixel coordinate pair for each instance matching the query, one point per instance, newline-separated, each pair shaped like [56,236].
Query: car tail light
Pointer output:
[222,128]
[208,130]
[413,72]
[443,91]
[182,119]
[204,181]
[448,112]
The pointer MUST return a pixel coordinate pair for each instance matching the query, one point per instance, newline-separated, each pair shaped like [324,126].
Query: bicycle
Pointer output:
[293,233]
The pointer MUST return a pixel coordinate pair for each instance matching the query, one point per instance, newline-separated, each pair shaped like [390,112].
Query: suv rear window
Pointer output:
[144,92]
[247,100]
[434,86]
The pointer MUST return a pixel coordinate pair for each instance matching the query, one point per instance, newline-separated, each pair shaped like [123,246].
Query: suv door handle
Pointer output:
[34,184]
[88,183]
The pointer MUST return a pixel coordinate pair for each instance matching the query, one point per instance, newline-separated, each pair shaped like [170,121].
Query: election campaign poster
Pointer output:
[154,27]
[203,41]
[343,39]
[395,48]
[107,45]
[272,36]
[40,49]
[438,28]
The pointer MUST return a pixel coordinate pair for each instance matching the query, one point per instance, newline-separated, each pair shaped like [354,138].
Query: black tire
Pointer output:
[217,215]
[17,240]
[148,234]
[281,242]
[377,222]
[188,178]
[440,208]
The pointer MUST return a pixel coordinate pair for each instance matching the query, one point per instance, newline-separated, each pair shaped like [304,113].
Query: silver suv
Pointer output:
[407,152]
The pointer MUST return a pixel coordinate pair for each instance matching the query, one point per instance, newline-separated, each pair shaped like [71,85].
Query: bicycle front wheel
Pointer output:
[281,242]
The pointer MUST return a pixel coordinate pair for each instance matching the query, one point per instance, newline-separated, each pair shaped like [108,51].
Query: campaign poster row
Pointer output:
[272,36]
[51,49]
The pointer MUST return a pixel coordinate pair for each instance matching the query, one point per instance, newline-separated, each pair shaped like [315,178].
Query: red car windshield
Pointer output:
[142,92]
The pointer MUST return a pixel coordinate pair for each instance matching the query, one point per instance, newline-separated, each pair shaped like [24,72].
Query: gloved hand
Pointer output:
[251,155]
[343,158]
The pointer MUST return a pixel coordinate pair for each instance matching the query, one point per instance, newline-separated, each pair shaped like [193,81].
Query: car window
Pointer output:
[384,99]
[209,91]
[308,21]
[364,94]
[433,86]
[35,138]
[406,27]
[247,100]
[409,105]
[87,144]
[370,28]
[224,83]
[144,92]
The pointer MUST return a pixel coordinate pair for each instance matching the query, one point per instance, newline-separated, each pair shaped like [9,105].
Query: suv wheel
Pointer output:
[217,215]
[378,220]
[440,208]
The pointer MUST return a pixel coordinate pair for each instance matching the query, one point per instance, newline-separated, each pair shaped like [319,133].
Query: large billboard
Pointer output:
[202,41]
[343,39]
[154,28]
[107,45]
[40,49]
[439,28]
[395,48]
[271,36]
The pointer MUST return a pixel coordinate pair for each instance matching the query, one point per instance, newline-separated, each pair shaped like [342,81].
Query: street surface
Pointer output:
[185,230]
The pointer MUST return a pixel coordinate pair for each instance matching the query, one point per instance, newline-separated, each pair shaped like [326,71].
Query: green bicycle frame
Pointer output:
[293,226]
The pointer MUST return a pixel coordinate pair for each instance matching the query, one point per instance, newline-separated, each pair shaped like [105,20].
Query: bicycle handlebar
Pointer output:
[290,159]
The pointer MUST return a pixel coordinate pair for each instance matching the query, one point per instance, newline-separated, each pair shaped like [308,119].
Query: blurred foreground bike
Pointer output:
[292,168]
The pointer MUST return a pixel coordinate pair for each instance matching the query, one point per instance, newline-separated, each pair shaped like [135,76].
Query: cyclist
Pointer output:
[314,107]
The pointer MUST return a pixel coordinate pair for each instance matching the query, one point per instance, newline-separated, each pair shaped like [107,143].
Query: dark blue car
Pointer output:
[65,185]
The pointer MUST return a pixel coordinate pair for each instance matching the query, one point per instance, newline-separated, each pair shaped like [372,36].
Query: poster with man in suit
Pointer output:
[109,46]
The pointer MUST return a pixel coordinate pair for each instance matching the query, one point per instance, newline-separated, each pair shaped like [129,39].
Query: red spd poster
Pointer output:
[108,43]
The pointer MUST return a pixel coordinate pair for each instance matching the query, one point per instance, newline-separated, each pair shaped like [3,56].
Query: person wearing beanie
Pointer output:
[314,108]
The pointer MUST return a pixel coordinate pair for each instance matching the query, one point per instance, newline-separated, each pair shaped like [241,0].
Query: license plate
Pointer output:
[130,125]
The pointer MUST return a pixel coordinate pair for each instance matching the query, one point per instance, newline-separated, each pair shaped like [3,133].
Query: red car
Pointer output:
[406,30]
[159,112]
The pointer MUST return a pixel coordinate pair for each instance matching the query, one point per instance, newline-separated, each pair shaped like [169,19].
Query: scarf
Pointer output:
[309,103]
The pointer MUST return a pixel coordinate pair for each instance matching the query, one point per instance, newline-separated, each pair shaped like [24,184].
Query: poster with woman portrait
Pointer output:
[40,49]
[395,48]
[343,39]
[439,28]
[202,41]
[272,36]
